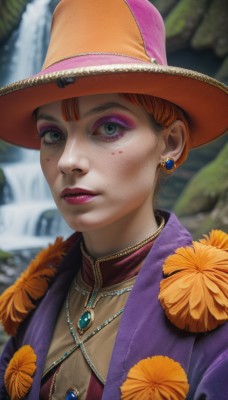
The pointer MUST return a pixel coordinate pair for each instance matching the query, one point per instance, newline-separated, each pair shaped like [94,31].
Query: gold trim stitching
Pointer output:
[129,249]
[107,69]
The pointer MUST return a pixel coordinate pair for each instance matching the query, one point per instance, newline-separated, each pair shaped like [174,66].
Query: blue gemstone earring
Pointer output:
[168,165]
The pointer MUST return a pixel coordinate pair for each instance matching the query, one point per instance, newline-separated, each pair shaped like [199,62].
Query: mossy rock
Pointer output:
[219,215]
[172,186]
[217,219]
[213,31]
[204,222]
[4,255]
[222,74]
[206,188]
[10,14]
[164,6]
[182,21]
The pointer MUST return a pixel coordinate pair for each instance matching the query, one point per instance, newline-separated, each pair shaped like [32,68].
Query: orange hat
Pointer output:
[114,46]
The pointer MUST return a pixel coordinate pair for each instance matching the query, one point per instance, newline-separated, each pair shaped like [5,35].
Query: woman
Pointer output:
[122,310]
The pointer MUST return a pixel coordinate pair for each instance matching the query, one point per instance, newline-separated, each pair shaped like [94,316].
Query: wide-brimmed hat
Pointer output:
[111,46]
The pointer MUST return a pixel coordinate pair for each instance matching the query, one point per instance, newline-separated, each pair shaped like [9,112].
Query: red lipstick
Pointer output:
[77,195]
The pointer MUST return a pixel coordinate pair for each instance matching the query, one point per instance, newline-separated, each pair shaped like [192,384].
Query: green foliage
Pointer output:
[4,255]
[205,189]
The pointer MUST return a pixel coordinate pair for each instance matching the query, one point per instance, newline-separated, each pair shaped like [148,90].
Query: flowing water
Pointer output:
[28,216]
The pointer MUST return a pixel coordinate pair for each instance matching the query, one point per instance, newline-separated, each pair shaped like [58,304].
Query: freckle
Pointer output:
[120,152]
[113,153]
[47,159]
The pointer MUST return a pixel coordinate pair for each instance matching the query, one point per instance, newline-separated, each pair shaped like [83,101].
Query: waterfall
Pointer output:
[28,216]
[29,47]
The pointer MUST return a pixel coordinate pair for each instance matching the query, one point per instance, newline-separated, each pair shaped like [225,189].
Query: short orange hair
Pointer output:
[162,112]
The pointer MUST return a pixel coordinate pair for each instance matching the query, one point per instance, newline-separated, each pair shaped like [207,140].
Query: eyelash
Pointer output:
[121,128]
[45,130]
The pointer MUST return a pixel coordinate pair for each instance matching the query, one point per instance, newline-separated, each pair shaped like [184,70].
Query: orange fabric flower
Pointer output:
[155,378]
[18,376]
[194,295]
[19,299]
[217,239]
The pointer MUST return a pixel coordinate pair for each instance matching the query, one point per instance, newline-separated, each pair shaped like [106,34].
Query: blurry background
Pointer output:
[197,38]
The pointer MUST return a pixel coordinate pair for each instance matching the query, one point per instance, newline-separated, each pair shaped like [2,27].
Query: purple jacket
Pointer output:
[144,329]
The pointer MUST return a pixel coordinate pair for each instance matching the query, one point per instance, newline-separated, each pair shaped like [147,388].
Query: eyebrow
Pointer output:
[47,117]
[102,108]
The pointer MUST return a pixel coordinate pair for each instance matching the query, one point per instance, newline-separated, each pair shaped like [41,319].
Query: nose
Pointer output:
[73,159]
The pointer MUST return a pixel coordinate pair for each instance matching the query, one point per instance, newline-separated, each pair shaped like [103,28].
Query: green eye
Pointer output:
[50,136]
[110,128]
[53,136]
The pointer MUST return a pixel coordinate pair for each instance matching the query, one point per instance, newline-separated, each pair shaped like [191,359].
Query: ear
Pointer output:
[174,139]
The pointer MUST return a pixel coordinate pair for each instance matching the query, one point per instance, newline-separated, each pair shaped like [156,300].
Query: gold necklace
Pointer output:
[87,317]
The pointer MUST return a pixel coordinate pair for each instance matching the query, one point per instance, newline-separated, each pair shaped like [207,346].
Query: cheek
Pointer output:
[135,161]
[48,166]
[135,167]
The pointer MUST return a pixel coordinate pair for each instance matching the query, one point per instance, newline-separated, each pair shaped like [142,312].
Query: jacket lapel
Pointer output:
[144,329]
[39,328]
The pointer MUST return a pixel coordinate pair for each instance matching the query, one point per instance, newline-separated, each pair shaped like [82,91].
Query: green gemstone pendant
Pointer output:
[85,321]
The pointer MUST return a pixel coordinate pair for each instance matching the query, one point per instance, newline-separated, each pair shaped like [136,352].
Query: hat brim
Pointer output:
[203,99]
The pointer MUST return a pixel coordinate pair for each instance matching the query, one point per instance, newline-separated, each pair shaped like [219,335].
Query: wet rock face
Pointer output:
[213,30]
[183,20]
[2,185]
[53,4]
[198,25]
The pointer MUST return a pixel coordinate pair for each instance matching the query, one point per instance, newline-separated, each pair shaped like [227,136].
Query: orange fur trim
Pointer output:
[20,299]
[216,238]
[158,377]
[18,376]
[194,293]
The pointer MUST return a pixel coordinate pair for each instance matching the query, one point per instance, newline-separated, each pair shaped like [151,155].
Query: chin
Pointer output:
[83,224]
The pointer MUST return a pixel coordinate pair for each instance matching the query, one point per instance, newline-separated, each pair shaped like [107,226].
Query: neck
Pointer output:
[125,232]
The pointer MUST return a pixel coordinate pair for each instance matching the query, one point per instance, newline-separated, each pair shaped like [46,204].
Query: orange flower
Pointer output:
[18,376]
[216,238]
[194,295]
[155,378]
[19,299]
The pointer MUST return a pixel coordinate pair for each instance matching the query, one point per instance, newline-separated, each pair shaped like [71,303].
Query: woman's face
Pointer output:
[102,168]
